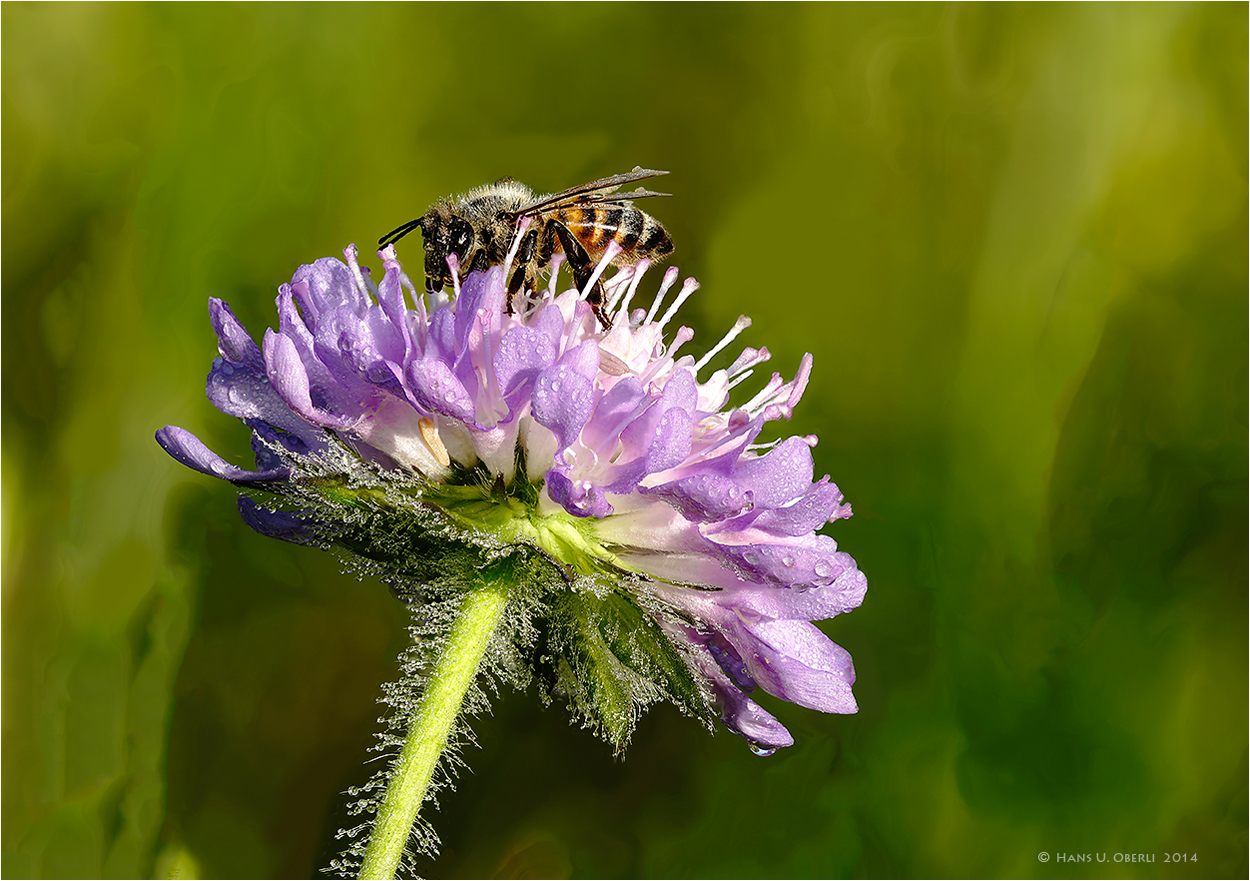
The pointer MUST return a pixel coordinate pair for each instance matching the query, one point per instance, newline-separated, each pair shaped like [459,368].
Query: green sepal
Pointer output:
[420,536]
[599,640]
[612,659]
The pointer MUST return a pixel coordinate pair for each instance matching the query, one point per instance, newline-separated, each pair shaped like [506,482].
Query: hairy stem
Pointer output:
[475,623]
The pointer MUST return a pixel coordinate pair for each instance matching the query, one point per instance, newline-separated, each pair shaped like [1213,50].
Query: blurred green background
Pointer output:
[1015,238]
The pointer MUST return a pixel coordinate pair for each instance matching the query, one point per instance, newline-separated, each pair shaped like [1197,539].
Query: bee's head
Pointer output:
[444,233]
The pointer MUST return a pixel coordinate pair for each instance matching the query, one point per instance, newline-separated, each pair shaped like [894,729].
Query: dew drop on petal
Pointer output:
[823,568]
[788,561]
[760,750]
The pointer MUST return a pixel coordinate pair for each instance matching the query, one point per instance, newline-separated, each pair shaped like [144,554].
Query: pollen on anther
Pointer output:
[611,364]
[429,434]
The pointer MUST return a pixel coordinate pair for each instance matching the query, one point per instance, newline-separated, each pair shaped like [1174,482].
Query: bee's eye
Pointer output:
[460,237]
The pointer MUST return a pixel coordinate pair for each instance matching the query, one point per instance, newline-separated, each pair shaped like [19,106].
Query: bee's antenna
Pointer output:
[399,232]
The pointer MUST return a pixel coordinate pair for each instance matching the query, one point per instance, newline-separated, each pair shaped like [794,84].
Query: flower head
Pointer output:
[667,553]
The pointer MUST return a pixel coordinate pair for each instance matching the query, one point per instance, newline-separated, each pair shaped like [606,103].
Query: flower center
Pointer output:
[511,512]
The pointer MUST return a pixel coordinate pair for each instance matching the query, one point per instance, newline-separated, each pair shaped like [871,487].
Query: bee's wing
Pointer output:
[601,190]
[600,198]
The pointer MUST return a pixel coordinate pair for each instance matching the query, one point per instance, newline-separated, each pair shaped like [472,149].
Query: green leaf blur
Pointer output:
[1014,237]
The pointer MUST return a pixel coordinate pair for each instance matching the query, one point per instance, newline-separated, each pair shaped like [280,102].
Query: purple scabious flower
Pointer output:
[666,553]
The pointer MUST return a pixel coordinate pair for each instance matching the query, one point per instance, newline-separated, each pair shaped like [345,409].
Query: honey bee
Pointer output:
[479,227]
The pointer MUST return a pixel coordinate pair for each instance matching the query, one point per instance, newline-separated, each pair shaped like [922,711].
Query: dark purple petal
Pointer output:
[564,394]
[580,500]
[806,603]
[523,353]
[706,496]
[324,285]
[731,664]
[794,661]
[809,512]
[441,339]
[740,714]
[481,292]
[395,309]
[679,393]
[780,476]
[190,451]
[389,342]
[304,382]
[615,410]
[811,559]
[726,486]
[237,386]
[233,340]
[438,390]
[746,718]
[238,391]
[289,526]
[658,431]
[288,373]
[671,444]
[710,489]
[351,346]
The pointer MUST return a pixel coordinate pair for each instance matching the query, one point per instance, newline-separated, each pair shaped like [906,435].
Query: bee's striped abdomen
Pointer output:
[655,242]
[638,234]
[593,225]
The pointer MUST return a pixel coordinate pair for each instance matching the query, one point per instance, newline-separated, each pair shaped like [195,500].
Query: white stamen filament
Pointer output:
[683,336]
[557,260]
[610,253]
[640,270]
[351,254]
[613,288]
[618,286]
[749,358]
[739,326]
[764,446]
[670,279]
[688,287]
[418,301]
[453,263]
[765,395]
[521,226]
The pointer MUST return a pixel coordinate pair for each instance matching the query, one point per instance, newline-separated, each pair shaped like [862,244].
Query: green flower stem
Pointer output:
[476,621]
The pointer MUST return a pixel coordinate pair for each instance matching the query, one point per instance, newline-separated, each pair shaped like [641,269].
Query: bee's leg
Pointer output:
[515,284]
[529,245]
[595,299]
[547,246]
[479,263]
[524,257]
[583,269]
